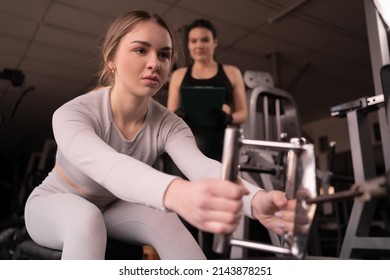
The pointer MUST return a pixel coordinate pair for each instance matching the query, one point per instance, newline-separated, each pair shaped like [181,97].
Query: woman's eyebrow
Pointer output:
[147,44]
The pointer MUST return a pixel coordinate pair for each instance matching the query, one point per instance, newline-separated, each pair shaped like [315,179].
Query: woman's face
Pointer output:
[201,43]
[143,59]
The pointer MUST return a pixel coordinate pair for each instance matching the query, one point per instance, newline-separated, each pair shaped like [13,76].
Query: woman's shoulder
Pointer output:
[178,76]
[95,95]
[180,72]
[159,112]
[231,69]
[90,103]
[161,117]
[233,73]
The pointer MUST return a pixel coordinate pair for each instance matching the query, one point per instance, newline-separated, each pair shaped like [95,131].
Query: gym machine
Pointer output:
[300,182]
[357,236]
[273,111]
[361,148]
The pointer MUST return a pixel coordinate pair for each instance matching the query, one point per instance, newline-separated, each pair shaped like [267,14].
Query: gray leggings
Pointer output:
[68,222]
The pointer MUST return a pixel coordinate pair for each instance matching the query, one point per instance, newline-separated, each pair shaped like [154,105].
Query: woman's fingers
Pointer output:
[227,189]
[220,204]
[220,222]
[220,207]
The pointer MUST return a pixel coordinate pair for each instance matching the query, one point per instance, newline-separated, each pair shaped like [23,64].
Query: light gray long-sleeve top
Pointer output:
[96,157]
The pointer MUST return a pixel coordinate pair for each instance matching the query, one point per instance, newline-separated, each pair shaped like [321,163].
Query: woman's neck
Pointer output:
[204,64]
[204,70]
[128,111]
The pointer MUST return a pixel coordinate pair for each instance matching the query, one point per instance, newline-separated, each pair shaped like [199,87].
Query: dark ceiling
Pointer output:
[315,49]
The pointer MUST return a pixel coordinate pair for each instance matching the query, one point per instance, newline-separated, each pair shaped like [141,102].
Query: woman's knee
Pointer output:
[88,222]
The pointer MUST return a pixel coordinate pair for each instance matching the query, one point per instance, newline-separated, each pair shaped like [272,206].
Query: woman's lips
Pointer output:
[151,79]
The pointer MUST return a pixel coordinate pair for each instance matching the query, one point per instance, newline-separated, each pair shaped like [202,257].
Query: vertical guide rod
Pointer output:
[230,161]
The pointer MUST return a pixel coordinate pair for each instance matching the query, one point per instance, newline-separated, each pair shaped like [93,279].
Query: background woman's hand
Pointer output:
[211,205]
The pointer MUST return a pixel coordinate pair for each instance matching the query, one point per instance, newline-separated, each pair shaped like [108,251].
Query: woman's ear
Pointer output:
[111,65]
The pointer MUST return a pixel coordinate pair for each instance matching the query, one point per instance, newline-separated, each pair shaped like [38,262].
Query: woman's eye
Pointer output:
[140,51]
[165,55]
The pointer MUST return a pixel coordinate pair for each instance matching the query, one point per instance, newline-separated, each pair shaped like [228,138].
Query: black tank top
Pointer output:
[219,80]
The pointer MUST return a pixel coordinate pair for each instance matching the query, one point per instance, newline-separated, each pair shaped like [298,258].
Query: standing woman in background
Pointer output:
[206,71]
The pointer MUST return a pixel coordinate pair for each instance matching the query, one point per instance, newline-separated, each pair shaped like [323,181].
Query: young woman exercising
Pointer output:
[103,183]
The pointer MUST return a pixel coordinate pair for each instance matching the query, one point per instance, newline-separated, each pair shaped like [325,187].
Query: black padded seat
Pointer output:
[116,250]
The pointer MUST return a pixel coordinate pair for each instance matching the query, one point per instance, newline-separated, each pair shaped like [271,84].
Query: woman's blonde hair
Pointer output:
[119,28]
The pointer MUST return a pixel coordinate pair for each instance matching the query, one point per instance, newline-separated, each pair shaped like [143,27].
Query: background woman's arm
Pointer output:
[173,102]
[240,110]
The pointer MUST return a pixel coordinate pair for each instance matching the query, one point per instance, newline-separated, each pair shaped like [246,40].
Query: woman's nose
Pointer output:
[154,63]
[199,44]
